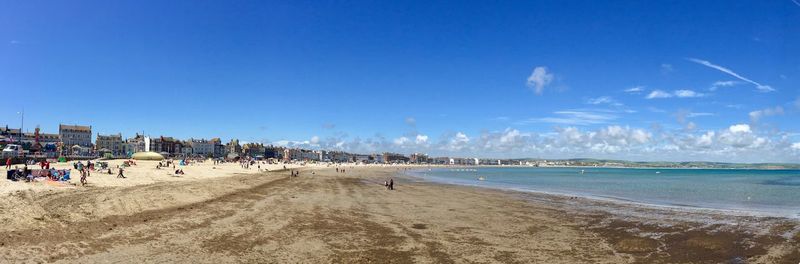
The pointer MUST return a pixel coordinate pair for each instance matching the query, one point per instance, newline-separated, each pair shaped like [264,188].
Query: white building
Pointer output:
[201,147]
[75,135]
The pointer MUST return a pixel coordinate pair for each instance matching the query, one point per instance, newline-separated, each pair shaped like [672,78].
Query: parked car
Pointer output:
[12,150]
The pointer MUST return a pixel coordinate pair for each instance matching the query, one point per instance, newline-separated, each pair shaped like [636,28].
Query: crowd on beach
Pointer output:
[85,168]
[45,172]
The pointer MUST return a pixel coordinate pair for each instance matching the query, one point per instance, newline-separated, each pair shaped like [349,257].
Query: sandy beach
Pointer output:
[227,214]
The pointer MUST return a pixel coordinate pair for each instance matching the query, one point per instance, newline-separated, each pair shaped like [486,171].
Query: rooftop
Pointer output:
[74,127]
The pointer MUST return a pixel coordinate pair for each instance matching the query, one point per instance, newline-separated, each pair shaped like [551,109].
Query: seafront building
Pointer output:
[110,143]
[72,135]
[134,144]
[389,157]
[419,158]
[165,145]
[219,149]
[233,148]
[201,147]
[30,139]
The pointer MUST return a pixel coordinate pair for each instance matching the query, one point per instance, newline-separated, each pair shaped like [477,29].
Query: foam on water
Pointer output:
[752,192]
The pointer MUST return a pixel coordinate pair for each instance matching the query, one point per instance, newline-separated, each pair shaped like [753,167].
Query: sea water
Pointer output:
[763,192]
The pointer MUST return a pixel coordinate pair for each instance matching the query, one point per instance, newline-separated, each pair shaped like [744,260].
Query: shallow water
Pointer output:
[764,192]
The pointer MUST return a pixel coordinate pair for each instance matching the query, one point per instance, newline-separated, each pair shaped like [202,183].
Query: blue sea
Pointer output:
[761,192]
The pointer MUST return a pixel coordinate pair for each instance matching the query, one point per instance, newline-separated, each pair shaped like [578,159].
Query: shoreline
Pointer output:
[786,214]
[622,207]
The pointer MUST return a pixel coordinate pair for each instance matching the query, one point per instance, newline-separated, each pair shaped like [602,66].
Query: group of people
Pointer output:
[166,163]
[84,169]
[29,176]
[339,170]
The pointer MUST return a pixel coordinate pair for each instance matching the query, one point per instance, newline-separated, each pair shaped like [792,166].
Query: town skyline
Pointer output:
[119,146]
[710,81]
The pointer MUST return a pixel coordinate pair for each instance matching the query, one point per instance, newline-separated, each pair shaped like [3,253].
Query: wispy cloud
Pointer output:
[573,117]
[655,94]
[760,87]
[735,106]
[688,94]
[658,94]
[635,90]
[603,100]
[539,78]
[693,114]
[756,116]
[666,68]
[720,84]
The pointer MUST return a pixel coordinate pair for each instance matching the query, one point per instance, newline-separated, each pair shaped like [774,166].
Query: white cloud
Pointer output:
[461,138]
[739,128]
[640,136]
[505,141]
[756,116]
[610,139]
[687,94]
[421,139]
[796,146]
[658,94]
[401,141]
[635,90]
[705,140]
[539,78]
[760,87]
[458,142]
[740,136]
[314,140]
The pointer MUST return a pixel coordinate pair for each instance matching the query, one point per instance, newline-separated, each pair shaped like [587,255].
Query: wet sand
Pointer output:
[329,217]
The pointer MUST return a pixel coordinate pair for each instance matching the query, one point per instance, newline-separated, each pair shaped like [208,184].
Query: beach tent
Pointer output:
[147,156]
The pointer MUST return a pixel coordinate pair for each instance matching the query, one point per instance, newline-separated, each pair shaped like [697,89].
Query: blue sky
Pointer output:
[642,80]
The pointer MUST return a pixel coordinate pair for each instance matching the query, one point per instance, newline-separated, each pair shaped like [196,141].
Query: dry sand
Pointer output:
[232,215]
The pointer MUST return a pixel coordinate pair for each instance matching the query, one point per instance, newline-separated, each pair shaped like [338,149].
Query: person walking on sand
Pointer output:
[8,163]
[391,184]
[83,178]
[120,175]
